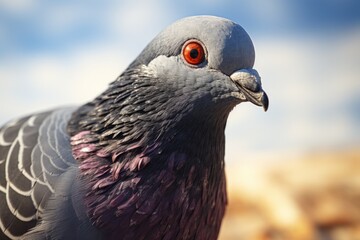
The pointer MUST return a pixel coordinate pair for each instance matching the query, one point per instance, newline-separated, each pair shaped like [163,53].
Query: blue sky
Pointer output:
[55,53]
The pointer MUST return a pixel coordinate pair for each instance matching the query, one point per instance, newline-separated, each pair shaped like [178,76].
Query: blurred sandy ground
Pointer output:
[313,197]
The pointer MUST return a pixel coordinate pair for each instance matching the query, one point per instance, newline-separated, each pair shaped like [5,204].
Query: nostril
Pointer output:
[247,78]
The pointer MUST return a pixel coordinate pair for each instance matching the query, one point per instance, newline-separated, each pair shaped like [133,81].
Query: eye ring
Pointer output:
[193,52]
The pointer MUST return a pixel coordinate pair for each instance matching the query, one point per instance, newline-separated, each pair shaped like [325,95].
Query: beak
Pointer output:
[248,82]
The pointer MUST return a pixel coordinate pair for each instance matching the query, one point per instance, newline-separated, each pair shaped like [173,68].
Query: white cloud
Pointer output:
[275,11]
[138,22]
[17,6]
[46,81]
[62,17]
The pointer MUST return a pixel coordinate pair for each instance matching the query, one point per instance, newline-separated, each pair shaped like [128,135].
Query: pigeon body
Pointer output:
[144,159]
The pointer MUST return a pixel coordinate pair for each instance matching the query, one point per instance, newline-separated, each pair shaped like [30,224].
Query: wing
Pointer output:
[34,152]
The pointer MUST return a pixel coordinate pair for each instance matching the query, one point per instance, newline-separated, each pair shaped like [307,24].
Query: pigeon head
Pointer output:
[186,81]
[221,64]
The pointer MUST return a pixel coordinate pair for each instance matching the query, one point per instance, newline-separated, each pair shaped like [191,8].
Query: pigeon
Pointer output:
[145,158]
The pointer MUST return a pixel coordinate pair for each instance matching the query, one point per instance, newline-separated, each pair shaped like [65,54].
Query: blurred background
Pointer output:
[294,171]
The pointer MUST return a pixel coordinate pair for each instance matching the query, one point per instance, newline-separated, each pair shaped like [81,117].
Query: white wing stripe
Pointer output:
[15,211]
[3,142]
[44,130]
[32,168]
[7,170]
[21,149]
[6,232]
[44,174]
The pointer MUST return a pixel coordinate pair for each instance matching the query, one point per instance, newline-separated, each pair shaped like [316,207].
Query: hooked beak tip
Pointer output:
[265,101]
[248,82]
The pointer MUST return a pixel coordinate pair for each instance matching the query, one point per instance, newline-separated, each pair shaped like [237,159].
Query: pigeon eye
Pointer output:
[193,53]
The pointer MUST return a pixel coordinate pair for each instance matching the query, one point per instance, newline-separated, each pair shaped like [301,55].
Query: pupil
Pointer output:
[194,53]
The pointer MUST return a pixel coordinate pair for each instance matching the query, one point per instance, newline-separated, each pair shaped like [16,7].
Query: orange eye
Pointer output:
[193,53]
